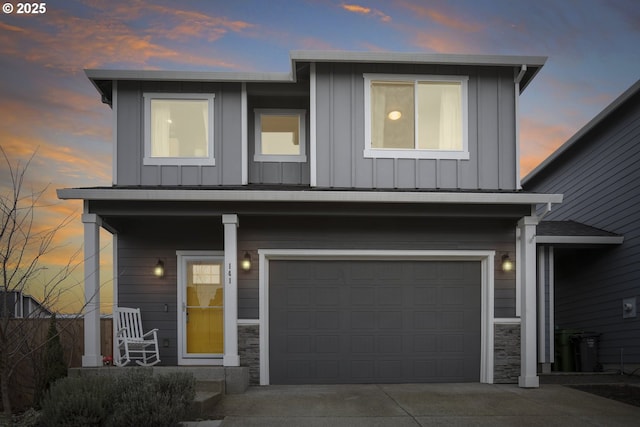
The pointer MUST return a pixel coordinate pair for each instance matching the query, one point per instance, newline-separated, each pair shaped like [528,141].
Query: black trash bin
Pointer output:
[565,345]
[587,346]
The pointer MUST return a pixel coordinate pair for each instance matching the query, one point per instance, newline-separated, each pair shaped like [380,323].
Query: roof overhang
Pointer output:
[572,233]
[532,63]
[580,240]
[103,79]
[177,195]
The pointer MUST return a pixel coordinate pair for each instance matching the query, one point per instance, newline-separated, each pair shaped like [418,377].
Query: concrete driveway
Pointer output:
[422,405]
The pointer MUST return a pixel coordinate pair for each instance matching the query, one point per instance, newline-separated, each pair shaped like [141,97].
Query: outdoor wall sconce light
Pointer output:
[507,264]
[158,270]
[245,264]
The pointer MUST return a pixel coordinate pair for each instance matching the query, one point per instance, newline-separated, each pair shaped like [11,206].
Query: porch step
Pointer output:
[208,394]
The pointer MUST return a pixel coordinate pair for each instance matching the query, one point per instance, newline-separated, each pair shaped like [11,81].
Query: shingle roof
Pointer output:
[574,232]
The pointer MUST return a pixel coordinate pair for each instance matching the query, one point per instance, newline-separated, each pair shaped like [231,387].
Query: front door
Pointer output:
[201,309]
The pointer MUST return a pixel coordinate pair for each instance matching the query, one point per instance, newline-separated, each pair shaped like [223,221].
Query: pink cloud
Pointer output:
[538,140]
[363,10]
[447,18]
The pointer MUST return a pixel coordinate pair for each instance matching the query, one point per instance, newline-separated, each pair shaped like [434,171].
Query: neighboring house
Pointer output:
[589,246]
[346,222]
[17,304]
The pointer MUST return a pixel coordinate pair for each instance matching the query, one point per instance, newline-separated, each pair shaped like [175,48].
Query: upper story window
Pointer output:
[178,129]
[415,116]
[280,135]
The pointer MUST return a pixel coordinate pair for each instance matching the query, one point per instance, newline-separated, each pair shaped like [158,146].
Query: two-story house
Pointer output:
[361,218]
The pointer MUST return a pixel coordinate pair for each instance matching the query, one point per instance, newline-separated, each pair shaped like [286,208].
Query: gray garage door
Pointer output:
[334,322]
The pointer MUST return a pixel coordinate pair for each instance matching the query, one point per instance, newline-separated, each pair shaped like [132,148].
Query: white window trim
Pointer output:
[298,158]
[177,161]
[415,153]
[485,257]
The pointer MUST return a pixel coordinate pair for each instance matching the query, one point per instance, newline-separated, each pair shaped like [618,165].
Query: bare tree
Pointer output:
[24,243]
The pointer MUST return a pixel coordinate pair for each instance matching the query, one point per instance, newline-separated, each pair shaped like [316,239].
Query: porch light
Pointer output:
[507,264]
[394,115]
[158,270]
[245,264]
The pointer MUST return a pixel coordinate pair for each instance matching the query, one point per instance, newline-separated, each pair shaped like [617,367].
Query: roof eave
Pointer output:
[533,63]
[580,240]
[305,196]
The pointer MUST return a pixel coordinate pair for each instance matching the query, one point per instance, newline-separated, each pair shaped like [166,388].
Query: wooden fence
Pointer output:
[34,331]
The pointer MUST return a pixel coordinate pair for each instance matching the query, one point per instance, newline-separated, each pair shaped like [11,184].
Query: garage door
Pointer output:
[333,322]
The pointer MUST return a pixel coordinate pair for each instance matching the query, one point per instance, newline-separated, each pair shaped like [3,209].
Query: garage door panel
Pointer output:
[326,296]
[326,320]
[389,319]
[362,296]
[425,296]
[374,321]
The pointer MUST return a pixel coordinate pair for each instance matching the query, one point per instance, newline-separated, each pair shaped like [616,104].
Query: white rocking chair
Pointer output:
[132,343]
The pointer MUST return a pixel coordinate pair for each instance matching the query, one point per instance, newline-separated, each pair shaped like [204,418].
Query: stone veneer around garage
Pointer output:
[249,350]
[506,357]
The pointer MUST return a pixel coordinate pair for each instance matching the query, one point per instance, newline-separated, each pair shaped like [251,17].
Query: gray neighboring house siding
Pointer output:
[597,171]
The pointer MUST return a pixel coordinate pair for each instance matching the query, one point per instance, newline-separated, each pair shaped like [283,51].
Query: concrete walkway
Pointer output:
[422,405]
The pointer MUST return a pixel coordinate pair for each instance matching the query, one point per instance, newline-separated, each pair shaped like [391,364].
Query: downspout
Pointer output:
[518,79]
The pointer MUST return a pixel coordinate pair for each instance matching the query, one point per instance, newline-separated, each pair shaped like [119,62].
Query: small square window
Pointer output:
[178,129]
[280,135]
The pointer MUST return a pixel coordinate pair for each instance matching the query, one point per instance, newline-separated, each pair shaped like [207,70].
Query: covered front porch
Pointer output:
[181,272]
[148,233]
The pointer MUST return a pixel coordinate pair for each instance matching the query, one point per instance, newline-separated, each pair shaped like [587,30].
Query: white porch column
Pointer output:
[527,271]
[231,357]
[92,354]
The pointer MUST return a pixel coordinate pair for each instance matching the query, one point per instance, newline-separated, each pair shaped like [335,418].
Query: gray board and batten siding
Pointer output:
[339,112]
[143,241]
[226,139]
[598,172]
[340,132]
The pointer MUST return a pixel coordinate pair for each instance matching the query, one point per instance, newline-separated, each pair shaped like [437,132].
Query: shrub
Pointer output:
[52,364]
[135,397]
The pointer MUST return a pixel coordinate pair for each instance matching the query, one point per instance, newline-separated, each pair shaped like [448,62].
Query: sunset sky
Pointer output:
[47,104]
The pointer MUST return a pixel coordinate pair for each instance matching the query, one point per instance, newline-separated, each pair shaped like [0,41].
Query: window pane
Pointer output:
[205,307]
[392,115]
[440,115]
[179,128]
[280,134]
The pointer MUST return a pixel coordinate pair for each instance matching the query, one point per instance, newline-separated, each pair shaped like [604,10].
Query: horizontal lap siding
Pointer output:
[340,133]
[142,242]
[600,179]
[140,245]
[227,137]
[409,234]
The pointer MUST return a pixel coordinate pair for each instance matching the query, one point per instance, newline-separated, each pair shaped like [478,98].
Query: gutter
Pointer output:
[517,80]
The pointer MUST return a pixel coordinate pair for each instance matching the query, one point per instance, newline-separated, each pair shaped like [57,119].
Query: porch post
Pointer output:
[528,336]
[231,357]
[92,356]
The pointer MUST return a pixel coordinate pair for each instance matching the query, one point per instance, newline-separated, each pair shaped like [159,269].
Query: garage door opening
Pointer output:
[374,321]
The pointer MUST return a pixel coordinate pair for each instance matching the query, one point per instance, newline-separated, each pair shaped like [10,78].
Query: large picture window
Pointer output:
[178,129]
[280,135]
[416,116]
